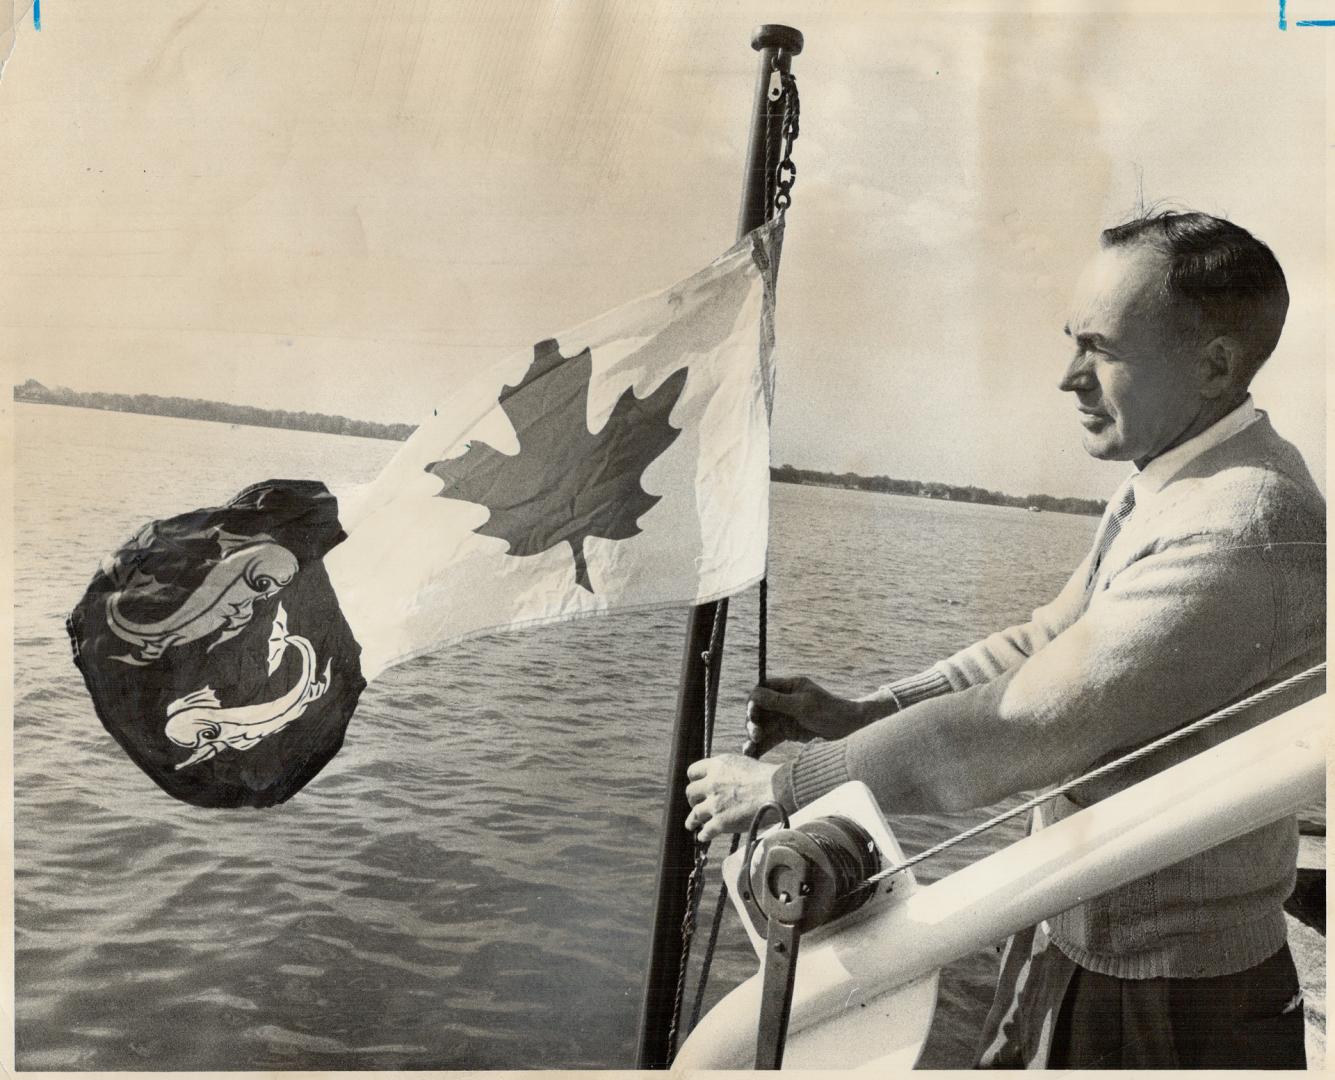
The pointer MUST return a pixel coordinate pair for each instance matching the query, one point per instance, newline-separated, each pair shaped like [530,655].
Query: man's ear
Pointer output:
[1219,366]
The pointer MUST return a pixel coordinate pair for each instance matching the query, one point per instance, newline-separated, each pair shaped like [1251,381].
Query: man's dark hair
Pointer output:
[1219,275]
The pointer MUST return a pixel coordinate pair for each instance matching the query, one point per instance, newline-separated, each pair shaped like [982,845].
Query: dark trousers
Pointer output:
[1250,1020]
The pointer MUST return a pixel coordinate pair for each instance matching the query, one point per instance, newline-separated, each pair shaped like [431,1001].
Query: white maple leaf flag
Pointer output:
[622,464]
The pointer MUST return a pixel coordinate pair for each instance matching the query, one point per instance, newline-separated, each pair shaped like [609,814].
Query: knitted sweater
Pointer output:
[1213,588]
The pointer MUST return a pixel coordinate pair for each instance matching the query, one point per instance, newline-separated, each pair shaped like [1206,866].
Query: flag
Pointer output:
[620,465]
[212,646]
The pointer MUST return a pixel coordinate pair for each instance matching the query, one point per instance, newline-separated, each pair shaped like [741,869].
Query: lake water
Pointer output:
[469,883]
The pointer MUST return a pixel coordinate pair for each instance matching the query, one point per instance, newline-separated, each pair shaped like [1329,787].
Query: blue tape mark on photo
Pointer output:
[36,14]
[1284,18]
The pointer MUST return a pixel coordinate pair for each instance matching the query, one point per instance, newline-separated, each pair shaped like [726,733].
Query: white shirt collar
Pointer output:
[1158,472]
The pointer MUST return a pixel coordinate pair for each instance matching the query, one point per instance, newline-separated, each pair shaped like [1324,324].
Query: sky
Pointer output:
[351,206]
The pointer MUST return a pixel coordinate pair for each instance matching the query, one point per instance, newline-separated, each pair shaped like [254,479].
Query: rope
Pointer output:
[852,856]
[707,960]
[693,883]
[707,658]
[1127,759]
[762,629]
[721,903]
[778,198]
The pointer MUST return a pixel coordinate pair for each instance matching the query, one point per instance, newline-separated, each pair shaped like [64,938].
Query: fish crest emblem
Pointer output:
[252,568]
[201,724]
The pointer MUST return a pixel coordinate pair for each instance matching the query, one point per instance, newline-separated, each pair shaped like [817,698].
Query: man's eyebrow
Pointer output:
[1085,338]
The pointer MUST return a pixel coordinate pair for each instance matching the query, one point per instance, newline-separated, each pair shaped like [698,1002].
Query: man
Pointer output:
[1205,583]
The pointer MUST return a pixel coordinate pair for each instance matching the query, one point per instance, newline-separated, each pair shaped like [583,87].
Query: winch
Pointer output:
[797,880]
[804,879]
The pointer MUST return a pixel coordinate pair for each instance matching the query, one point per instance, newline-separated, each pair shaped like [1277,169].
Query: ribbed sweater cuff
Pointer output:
[819,768]
[909,691]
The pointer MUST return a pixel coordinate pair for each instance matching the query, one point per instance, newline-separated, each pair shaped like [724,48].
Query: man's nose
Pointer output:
[1079,375]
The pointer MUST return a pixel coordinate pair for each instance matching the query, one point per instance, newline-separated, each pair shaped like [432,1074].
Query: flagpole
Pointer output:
[776,45]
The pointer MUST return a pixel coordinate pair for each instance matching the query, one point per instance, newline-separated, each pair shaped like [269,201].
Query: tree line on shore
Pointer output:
[221,411]
[224,412]
[931,489]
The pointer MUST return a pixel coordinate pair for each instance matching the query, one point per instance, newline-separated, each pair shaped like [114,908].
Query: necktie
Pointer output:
[1116,519]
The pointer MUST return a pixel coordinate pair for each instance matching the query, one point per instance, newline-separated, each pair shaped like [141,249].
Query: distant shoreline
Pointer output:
[34,393]
[930,489]
[224,412]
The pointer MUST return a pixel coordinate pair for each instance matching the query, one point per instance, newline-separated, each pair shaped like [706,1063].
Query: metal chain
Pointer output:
[1127,759]
[786,174]
[701,861]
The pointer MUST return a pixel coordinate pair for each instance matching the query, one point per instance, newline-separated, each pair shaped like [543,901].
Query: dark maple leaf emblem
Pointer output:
[566,482]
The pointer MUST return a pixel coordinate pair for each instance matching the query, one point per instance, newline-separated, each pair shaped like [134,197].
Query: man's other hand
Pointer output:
[797,708]
[725,792]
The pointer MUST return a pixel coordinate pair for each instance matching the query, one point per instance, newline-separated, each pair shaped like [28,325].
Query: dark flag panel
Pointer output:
[214,649]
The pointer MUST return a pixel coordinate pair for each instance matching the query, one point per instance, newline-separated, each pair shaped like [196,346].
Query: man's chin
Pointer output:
[1102,448]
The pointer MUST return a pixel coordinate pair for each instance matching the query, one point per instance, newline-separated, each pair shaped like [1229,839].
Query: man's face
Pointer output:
[1133,373]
